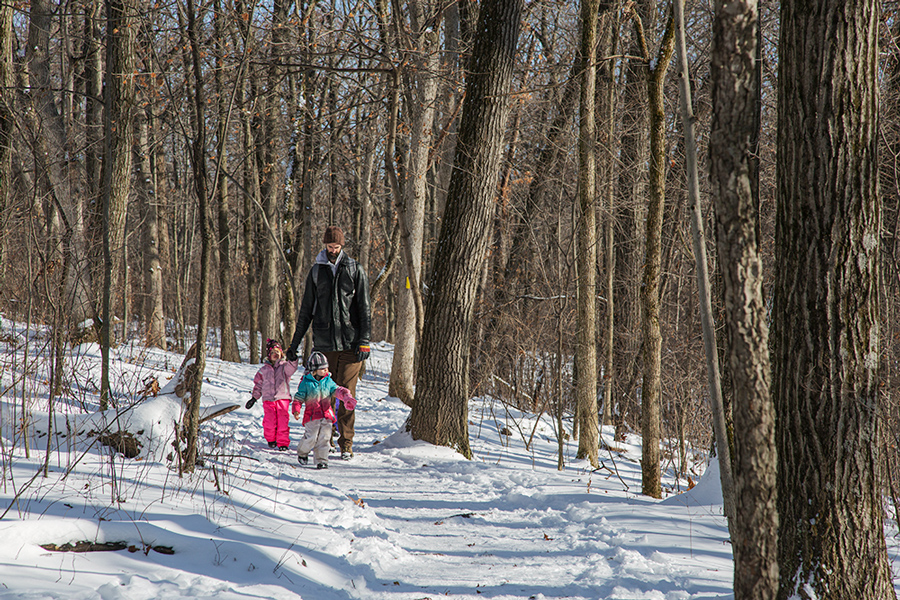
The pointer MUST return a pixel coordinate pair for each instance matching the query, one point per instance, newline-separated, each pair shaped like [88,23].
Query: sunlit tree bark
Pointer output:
[586,336]
[440,412]
[655,74]
[118,100]
[826,315]
[734,128]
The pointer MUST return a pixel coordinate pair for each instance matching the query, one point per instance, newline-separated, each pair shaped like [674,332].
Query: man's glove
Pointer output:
[291,354]
[250,402]
[362,352]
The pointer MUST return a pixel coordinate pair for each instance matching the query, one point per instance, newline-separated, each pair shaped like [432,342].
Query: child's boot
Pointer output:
[302,459]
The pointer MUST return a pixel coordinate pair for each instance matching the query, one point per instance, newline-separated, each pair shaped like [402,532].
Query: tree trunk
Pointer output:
[152,193]
[164,210]
[152,311]
[93,88]
[651,476]
[364,195]
[440,412]
[229,347]
[450,100]
[250,195]
[629,214]
[52,151]
[118,98]
[702,270]
[754,524]
[92,49]
[198,162]
[6,127]
[271,171]
[826,313]
[268,248]
[586,324]
[420,91]
[296,219]
[606,83]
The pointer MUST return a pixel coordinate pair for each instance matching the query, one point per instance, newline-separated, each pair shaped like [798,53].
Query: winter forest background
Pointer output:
[169,166]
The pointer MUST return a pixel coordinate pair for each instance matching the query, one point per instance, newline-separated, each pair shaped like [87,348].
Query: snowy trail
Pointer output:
[402,520]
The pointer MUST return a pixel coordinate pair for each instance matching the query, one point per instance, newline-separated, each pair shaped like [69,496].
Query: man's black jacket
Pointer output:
[337,306]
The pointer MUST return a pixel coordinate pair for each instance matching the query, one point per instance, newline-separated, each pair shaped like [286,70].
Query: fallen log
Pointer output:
[211,412]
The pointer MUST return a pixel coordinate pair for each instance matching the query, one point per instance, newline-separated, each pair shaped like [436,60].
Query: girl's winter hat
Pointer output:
[316,361]
[333,235]
[270,343]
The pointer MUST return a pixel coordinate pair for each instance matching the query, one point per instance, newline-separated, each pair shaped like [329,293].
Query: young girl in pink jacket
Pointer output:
[272,384]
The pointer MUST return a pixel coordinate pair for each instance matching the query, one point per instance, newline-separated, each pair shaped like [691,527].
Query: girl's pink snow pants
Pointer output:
[276,421]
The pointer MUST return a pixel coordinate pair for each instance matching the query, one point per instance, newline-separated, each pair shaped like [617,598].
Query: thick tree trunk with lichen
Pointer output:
[735,93]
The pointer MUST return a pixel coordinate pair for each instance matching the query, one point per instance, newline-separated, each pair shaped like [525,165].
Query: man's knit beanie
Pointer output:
[333,235]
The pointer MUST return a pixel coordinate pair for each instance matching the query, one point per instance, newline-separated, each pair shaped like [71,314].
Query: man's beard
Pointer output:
[332,256]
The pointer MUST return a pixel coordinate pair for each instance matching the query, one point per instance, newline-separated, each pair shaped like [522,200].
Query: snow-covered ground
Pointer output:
[402,520]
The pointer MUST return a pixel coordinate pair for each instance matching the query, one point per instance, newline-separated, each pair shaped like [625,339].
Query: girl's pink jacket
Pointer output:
[273,382]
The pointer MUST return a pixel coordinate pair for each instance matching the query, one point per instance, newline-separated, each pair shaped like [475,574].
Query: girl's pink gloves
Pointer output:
[343,394]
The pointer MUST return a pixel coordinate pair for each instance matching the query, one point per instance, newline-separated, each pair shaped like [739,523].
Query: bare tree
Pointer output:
[586,336]
[606,85]
[440,412]
[270,171]
[735,93]
[92,88]
[224,104]
[6,126]
[419,84]
[655,74]
[631,192]
[826,313]
[54,170]
[698,235]
[198,163]
[250,180]
[118,100]
[152,311]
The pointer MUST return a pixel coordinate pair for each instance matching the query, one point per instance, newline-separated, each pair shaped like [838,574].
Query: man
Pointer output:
[336,304]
